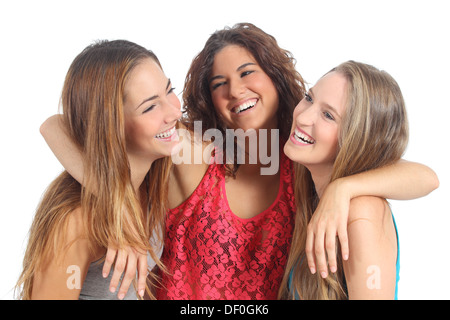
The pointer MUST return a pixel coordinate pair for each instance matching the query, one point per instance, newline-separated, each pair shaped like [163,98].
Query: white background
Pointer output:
[409,39]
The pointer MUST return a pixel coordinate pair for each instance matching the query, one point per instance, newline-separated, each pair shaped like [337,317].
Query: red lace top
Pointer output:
[210,253]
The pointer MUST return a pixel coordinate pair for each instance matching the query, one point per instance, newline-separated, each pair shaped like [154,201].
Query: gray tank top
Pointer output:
[95,287]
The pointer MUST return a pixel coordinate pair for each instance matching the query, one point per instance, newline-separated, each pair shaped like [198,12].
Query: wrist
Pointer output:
[345,187]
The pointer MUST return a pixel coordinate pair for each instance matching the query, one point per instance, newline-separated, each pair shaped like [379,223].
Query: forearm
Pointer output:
[403,180]
[65,150]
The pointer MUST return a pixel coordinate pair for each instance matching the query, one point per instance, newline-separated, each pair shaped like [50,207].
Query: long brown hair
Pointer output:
[373,133]
[276,62]
[92,103]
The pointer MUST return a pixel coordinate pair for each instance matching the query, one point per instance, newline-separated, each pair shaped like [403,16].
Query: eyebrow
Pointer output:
[238,69]
[325,104]
[153,97]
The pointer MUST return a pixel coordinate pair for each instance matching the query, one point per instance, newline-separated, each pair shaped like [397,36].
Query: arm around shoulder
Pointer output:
[63,147]
[403,180]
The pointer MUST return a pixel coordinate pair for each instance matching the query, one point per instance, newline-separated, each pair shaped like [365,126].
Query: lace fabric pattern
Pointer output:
[211,253]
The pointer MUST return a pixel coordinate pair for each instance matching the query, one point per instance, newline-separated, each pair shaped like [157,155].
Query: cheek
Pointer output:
[294,118]
[265,85]
[216,97]
[331,139]
[137,132]
[298,110]
[219,103]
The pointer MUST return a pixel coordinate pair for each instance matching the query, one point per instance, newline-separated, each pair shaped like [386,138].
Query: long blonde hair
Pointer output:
[373,133]
[92,102]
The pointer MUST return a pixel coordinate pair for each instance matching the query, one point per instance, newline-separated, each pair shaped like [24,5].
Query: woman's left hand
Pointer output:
[328,222]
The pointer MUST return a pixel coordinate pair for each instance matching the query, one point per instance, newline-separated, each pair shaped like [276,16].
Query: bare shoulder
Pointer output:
[371,226]
[77,240]
[52,279]
[190,165]
[75,224]
[367,208]
[372,244]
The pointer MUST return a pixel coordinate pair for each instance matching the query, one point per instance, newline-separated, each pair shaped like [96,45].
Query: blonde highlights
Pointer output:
[112,211]
[373,133]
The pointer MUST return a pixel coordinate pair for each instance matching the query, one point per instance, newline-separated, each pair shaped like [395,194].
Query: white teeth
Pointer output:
[302,137]
[165,134]
[245,106]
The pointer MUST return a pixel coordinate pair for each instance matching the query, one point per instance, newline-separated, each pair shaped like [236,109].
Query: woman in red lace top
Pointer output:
[230,238]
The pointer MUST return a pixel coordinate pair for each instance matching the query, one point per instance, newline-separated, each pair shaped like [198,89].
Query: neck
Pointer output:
[321,176]
[262,154]
[139,168]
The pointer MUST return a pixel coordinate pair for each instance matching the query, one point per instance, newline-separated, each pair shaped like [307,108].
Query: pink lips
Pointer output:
[174,136]
[168,135]
[301,134]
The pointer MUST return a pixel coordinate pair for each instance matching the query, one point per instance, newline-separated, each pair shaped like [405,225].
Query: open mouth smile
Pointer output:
[166,135]
[247,105]
[302,137]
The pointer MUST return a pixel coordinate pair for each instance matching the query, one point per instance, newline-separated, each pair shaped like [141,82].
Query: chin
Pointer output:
[290,152]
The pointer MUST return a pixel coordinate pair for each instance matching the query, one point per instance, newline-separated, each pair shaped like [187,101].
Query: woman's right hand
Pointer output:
[126,261]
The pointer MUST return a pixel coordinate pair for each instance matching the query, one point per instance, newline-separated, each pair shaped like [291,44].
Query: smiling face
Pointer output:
[151,111]
[314,135]
[242,93]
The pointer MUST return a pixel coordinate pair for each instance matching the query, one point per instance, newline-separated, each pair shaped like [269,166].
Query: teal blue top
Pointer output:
[397,278]
[397,265]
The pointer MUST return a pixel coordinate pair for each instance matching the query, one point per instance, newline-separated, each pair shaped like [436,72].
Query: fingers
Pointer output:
[315,250]
[129,265]
[330,245]
[320,247]
[319,251]
[109,260]
[309,249]
[142,274]
[343,240]
[121,262]
[127,262]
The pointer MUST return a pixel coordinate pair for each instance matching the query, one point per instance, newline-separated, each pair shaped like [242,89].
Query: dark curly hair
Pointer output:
[276,62]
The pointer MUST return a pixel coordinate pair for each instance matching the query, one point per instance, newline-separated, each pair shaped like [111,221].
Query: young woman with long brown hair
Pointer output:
[229,228]
[120,111]
[353,120]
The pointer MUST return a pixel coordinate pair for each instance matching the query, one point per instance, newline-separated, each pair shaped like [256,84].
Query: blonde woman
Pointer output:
[353,120]
[120,110]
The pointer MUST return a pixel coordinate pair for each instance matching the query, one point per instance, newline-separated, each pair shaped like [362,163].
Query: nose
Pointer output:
[305,115]
[173,110]
[236,88]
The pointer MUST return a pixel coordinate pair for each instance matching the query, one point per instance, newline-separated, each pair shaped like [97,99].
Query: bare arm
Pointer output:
[63,277]
[370,272]
[403,180]
[64,148]
[126,259]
